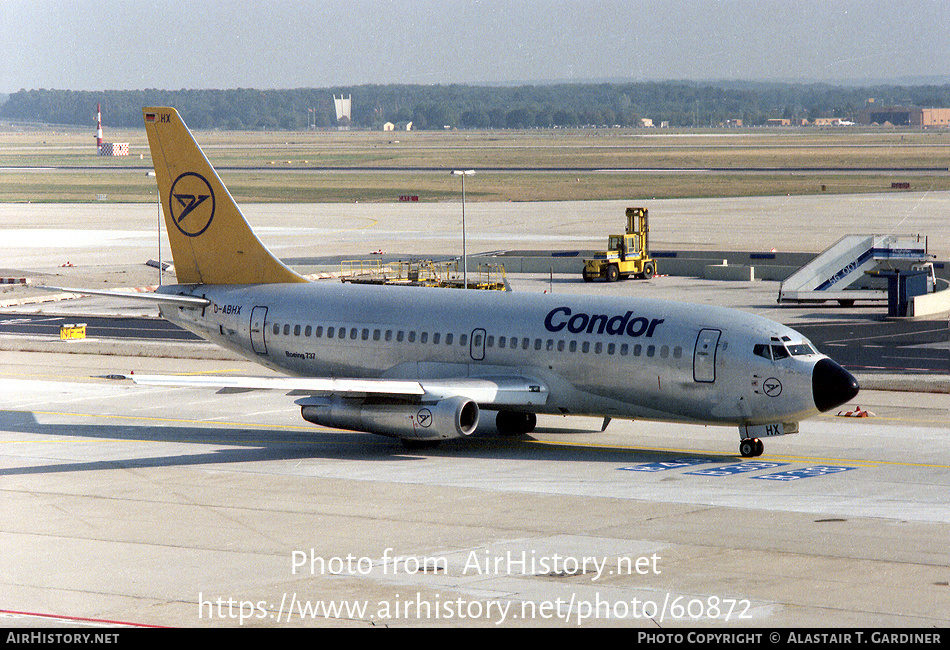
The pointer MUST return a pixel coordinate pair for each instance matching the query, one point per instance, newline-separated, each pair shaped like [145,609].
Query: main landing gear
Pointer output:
[515,423]
[751,447]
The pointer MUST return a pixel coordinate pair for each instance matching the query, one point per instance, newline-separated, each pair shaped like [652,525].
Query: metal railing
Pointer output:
[422,273]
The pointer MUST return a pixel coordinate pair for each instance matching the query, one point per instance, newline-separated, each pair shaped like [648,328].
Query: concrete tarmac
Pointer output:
[104,235]
[178,507]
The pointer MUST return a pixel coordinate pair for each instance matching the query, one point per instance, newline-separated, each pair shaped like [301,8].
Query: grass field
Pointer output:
[344,166]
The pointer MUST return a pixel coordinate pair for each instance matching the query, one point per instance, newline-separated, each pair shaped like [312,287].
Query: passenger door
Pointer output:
[477,344]
[704,356]
[258,323]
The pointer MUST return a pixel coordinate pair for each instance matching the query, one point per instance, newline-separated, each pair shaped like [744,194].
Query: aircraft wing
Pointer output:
[305,385]
[501,391]
[495,391]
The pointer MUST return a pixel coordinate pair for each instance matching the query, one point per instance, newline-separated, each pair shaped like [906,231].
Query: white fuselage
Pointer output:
[604,356]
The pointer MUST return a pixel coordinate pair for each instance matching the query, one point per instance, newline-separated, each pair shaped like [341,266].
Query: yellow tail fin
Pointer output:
[211,241]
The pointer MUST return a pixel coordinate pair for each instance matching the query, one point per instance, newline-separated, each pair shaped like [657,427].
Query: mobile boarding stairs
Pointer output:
[846,271]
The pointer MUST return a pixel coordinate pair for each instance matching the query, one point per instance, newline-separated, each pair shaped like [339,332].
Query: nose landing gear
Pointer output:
[751,447]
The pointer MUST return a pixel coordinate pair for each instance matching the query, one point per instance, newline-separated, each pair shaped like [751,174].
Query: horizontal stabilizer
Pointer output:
[151,296]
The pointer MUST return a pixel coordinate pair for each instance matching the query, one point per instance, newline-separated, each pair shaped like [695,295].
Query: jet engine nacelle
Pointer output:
[452,417]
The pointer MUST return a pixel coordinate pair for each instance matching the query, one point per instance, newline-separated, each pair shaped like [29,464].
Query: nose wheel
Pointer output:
[751,447]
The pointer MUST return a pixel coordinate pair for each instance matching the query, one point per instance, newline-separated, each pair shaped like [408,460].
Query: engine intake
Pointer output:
[453,417]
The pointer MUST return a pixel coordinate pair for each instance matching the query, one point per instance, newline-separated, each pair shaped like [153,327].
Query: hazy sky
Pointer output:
[172,44]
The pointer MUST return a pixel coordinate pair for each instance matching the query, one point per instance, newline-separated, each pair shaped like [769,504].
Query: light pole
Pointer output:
[463,174]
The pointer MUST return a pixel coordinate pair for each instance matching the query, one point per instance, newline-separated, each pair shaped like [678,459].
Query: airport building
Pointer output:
[905,116]
[344,110]
[114,149]
[828,121]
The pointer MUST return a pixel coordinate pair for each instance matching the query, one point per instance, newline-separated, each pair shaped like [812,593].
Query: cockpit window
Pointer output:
[801,350]
[776,351]
[779,352]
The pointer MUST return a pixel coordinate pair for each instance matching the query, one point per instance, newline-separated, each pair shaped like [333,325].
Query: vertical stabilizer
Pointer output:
[211,241]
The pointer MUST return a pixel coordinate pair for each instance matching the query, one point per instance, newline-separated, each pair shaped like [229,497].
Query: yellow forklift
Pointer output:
[628,254]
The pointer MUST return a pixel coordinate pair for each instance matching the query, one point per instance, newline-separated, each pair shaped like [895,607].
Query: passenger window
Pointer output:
[377,335]
[354,333]
[296,330]
[330,332]
[463,339]
[502,342]
[651,350]
[276,328]
[611,348]
[573,346]
[318,332]
[560,345]
[412,336]
[585,347]
[490,341]
[308,331]
[341,333]
[424,337]
[448,338]
[435,338]
[389,335]
[624,348]
[665,351]
[287,330]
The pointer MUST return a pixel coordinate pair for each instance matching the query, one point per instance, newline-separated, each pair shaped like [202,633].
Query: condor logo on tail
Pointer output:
[189,192]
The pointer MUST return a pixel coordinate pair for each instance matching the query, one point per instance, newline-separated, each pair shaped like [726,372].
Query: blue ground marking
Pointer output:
[805,472]
[738,468]
[679,463]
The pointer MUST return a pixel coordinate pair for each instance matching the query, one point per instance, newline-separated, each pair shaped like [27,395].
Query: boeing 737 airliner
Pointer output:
[422,364]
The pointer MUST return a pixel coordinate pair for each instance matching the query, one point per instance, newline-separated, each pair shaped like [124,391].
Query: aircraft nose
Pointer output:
[832,385]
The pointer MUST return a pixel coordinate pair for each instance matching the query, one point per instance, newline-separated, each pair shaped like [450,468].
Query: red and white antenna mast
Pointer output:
[98,127]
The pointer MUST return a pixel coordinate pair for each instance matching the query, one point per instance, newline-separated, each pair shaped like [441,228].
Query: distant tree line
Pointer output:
[680,104]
